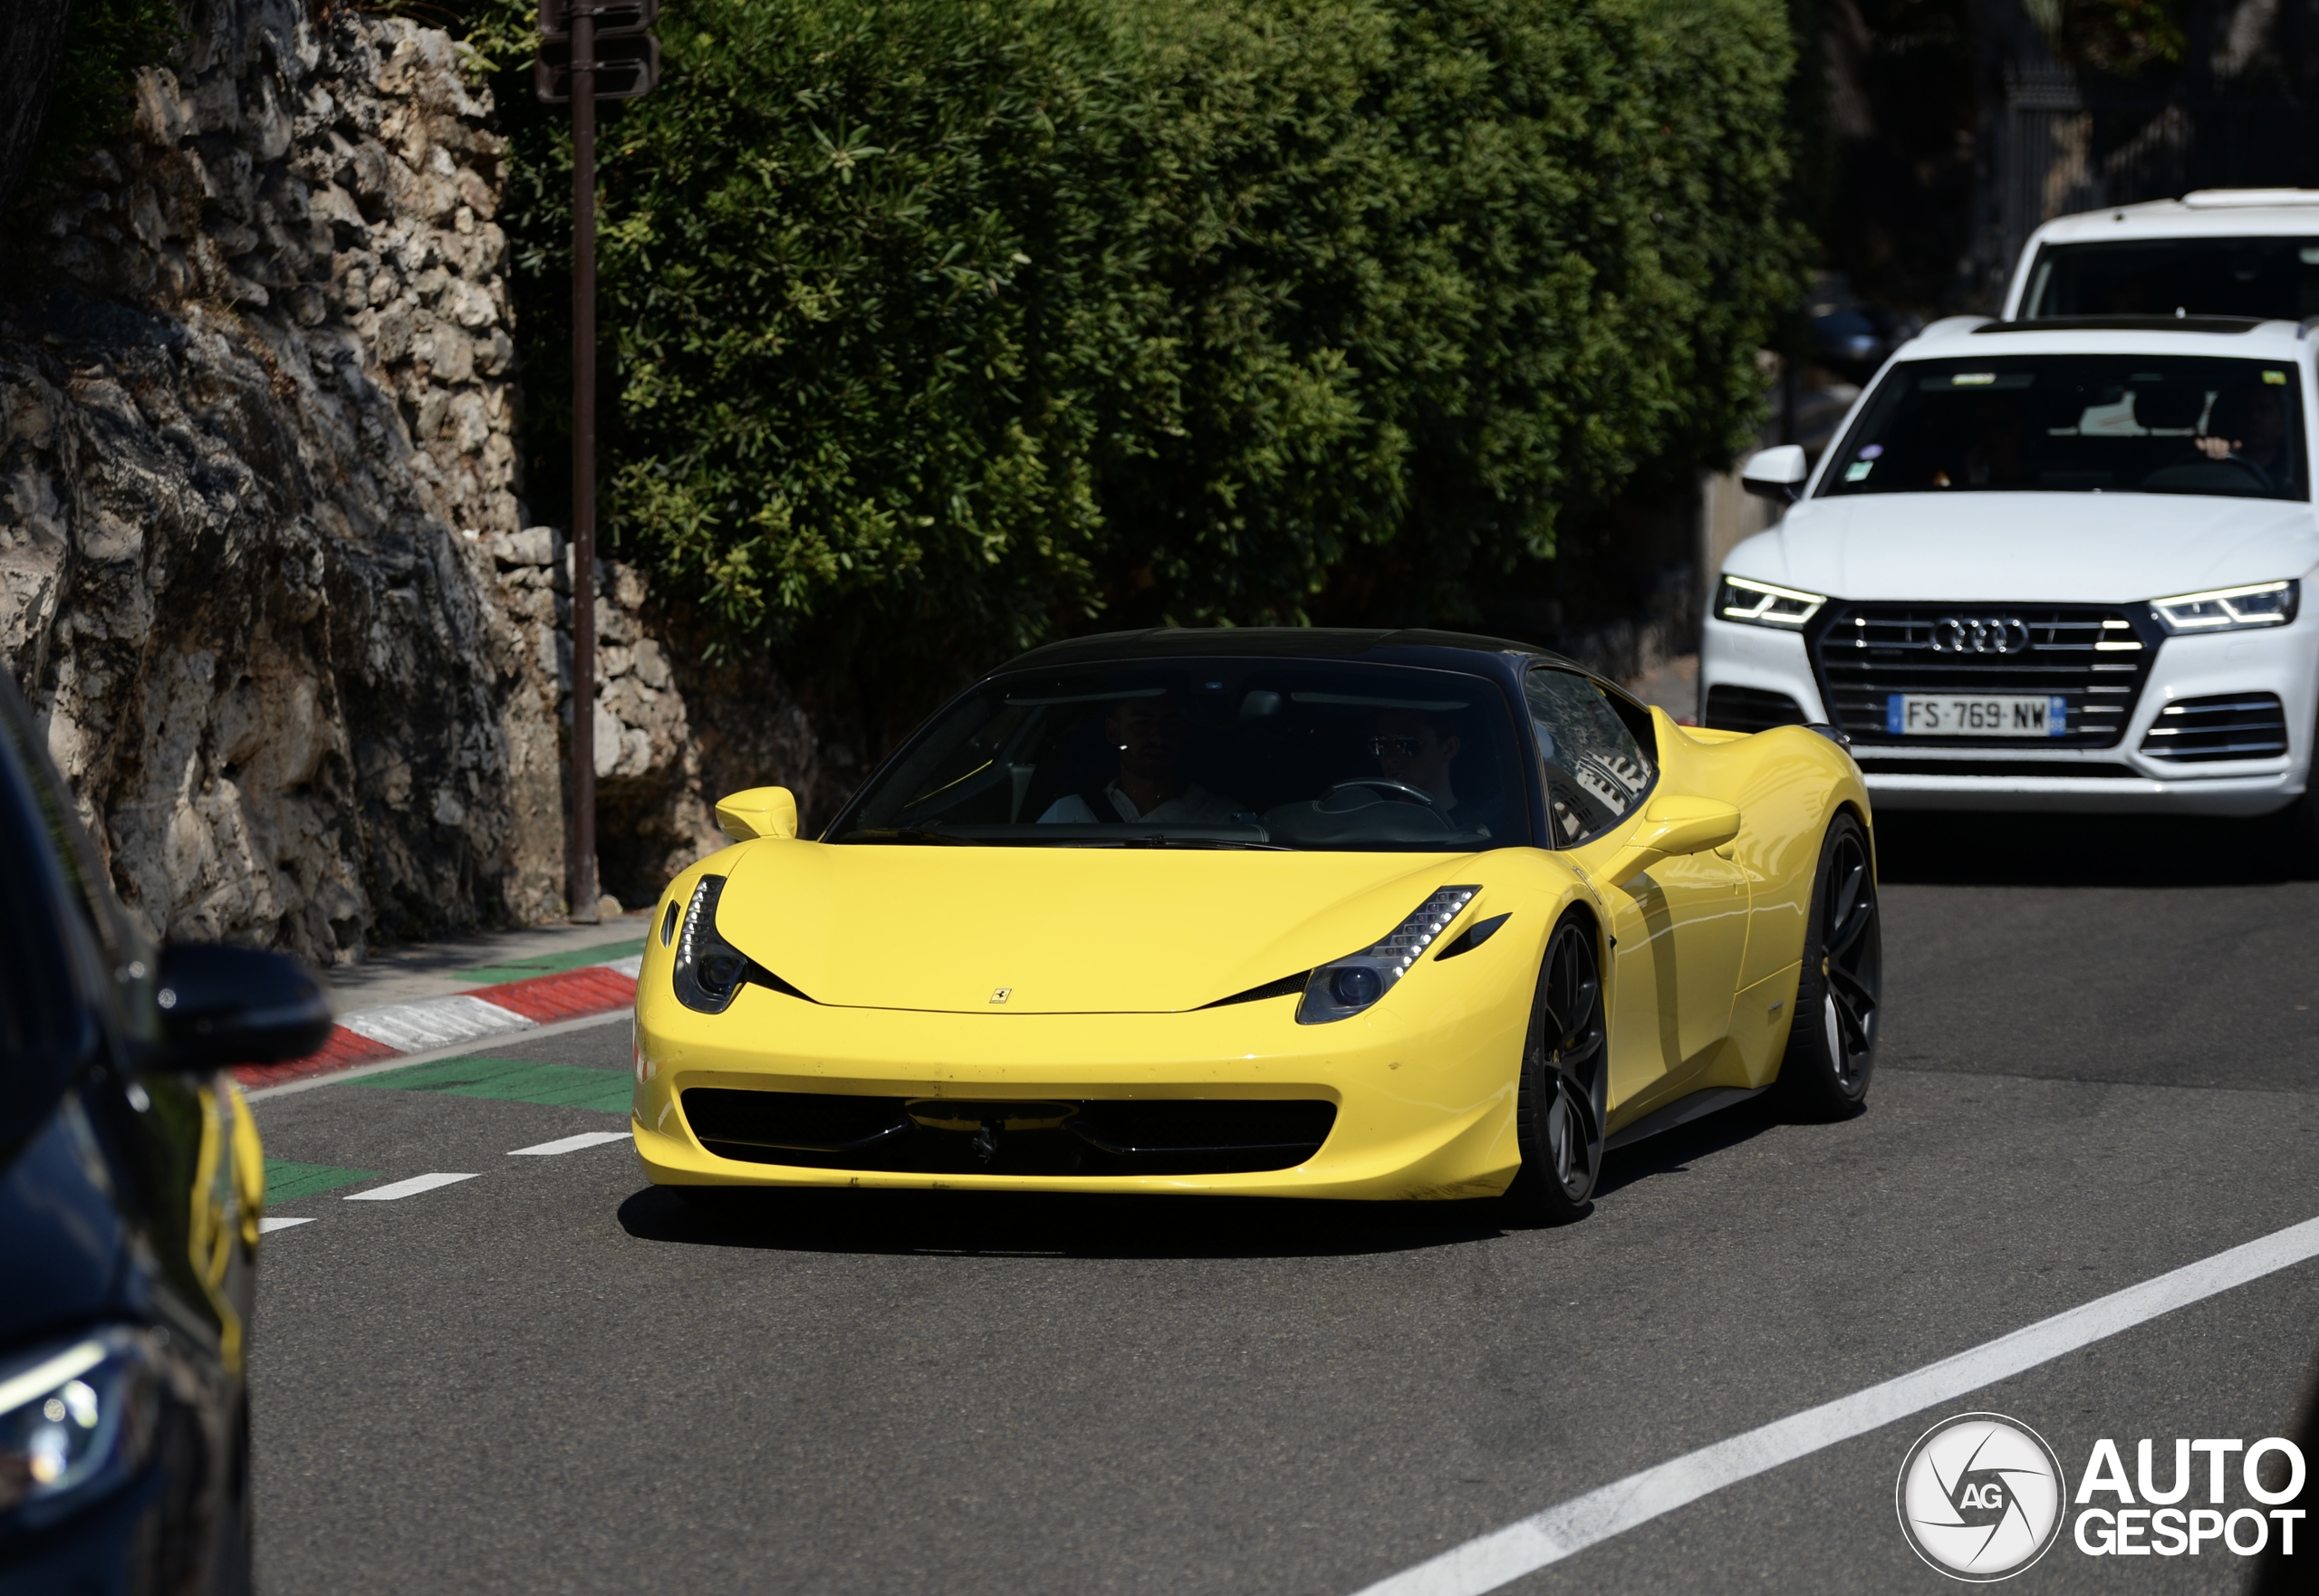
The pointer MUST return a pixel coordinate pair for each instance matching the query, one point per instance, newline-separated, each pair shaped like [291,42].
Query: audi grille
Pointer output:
[2095,658]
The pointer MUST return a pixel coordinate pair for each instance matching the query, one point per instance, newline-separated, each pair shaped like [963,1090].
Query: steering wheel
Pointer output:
[2248,466]
[1382,784]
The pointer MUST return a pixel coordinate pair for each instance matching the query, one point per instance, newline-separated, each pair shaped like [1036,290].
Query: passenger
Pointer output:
[1150,736]
[1996,457]
[1411,748]
[2249,425]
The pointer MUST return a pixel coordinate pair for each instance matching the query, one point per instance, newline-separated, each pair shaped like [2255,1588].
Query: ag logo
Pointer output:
[1980,1497]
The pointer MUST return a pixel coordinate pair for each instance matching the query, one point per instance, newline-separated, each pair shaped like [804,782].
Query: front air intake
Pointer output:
[1143,1136]
[2203,731]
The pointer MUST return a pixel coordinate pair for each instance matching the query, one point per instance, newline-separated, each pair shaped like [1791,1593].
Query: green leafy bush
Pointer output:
[945,325]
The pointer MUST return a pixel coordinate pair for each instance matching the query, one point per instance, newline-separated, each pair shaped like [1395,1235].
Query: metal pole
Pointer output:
[584,464]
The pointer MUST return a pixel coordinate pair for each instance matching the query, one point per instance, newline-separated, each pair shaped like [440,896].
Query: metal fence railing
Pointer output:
[2074,145]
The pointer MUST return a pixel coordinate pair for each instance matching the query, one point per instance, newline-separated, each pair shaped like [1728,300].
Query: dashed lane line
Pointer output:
[1545,1538]
[570,1144]
[395,1191]
[268,1226]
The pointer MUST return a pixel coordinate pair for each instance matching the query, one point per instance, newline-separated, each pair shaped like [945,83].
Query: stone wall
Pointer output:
[256,427]
[674,728]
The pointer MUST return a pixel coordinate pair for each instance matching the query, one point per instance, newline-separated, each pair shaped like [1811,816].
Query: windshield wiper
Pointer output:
[903,834]
[1161,840]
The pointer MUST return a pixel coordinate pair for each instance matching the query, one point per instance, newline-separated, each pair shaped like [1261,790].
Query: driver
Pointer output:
[2249,425]
[1150,736]
[1411,748]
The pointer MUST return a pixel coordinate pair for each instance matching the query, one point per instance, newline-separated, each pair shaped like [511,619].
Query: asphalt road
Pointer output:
[2102,1063]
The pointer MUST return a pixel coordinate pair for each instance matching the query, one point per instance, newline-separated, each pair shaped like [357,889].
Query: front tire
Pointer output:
[1558,1112]
[1831,1041]
[2298,824]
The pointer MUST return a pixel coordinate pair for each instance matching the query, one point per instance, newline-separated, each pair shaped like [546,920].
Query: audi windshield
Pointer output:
[2269,278]
[2150,424]
[1217,754]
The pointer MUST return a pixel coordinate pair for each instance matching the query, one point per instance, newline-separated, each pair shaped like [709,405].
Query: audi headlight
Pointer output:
[1344,987]
[1759,604]
[708,969]
[76,1420]
[2264,603]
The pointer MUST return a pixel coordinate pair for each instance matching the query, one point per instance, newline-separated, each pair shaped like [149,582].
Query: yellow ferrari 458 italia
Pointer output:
[1293,912]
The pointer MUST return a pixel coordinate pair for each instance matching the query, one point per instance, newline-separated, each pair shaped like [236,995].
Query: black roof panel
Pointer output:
[1279,643]
[2129,325]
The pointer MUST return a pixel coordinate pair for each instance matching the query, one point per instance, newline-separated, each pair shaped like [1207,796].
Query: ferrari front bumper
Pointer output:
[1423,1085]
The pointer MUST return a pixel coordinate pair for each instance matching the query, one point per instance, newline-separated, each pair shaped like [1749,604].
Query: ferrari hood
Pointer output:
[2035,548]
[1059,930]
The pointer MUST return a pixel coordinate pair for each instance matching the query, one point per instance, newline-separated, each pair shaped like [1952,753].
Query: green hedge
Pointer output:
[941,326]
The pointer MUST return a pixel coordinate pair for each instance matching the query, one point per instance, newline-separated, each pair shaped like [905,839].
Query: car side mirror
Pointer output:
[1777,474]
[1672,825]
[237,1005]
[760,811]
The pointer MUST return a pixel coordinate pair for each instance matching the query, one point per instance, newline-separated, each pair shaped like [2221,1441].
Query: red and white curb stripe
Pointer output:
[368,1036]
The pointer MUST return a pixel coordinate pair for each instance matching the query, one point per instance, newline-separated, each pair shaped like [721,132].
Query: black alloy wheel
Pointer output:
[1831,1043]
[1558,1114]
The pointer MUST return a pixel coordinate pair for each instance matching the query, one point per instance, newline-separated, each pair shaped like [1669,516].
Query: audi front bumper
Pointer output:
[1754,675]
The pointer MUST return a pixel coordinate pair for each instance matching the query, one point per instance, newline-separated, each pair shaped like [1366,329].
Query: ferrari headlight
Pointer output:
[76,1420]
[2265,604]
[1759,604]
[1343,988]
[708,969]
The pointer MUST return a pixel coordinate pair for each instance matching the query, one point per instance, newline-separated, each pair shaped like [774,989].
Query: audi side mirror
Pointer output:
[237,1005]
[1777,474]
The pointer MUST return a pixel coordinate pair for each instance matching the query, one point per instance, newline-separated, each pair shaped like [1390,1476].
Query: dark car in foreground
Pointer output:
[130,1184]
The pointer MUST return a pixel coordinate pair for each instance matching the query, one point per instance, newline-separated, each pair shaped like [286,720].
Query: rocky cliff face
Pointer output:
[263,569]
[256,426]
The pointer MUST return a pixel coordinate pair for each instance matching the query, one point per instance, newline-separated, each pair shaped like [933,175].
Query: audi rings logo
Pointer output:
[1980,1497]
[1997,634]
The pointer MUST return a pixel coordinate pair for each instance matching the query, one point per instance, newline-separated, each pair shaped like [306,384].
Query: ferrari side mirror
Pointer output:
[237,1005]
[1672,825]
[759,811]
[1777,474]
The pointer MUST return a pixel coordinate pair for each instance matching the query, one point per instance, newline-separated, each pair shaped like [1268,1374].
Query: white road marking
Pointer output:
[1504,1555]
[631,966]
[403,1188]
[456,1049]
[434,1021]
[570,1144]
[267,1226]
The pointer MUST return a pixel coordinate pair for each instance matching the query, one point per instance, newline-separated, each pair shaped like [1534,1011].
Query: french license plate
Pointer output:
[1980,715]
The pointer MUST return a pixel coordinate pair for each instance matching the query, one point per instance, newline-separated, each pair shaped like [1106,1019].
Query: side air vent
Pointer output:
[1749,709]
[2201,731]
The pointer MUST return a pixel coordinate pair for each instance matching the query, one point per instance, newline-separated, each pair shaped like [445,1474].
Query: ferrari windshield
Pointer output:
[2170,424]
[1221,753]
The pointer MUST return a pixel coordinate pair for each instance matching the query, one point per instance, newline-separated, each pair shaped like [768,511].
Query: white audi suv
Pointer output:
[2055,564]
